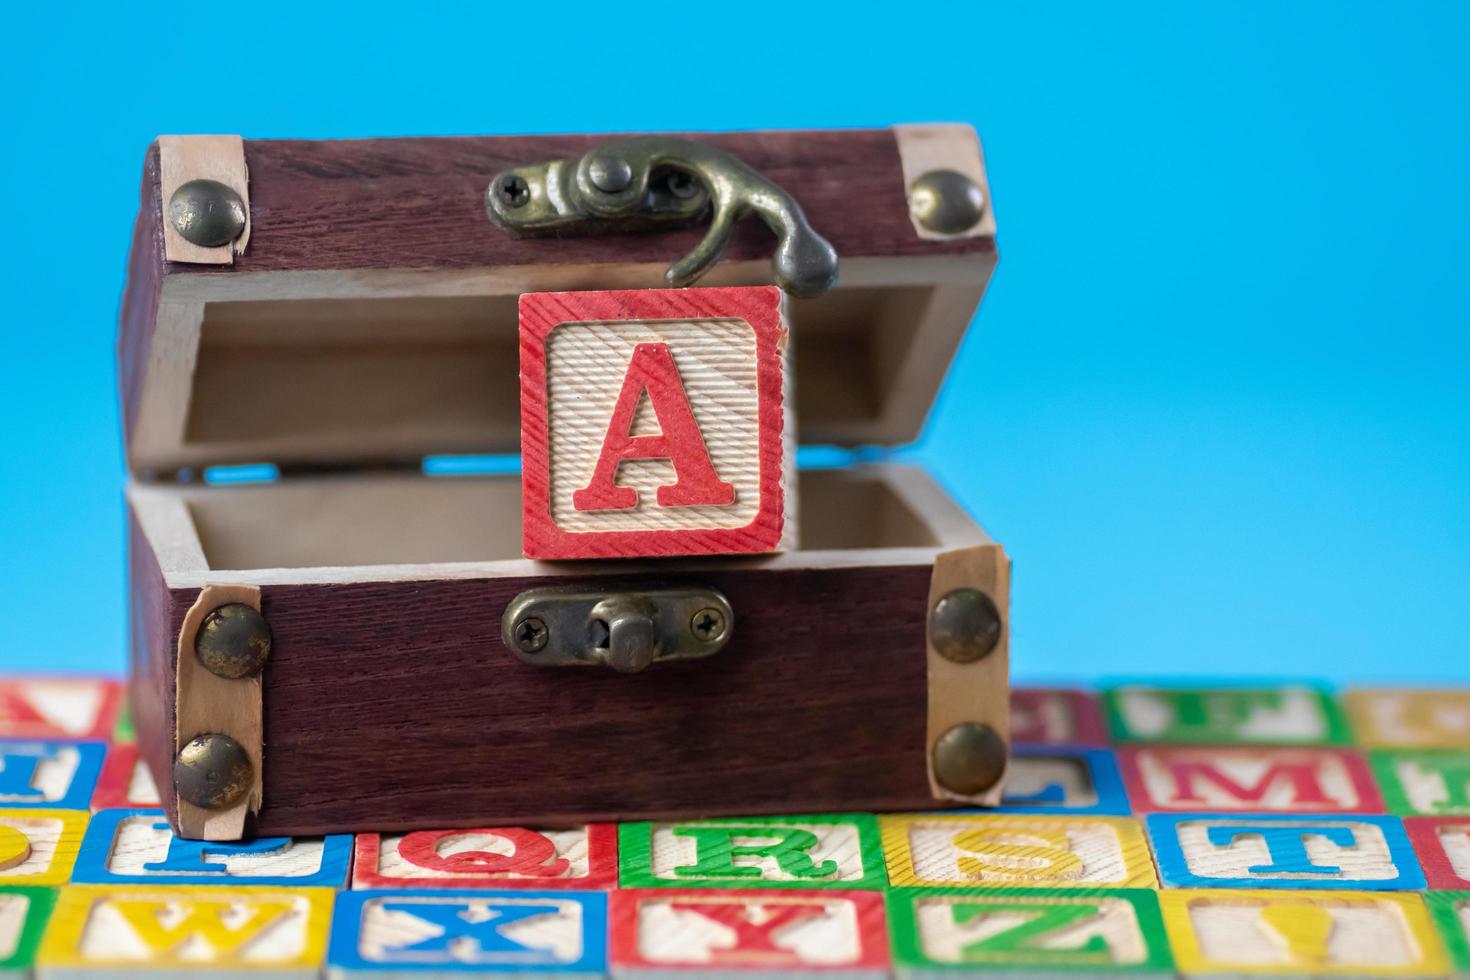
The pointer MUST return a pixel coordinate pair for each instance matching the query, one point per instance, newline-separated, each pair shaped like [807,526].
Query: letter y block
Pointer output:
[653,423]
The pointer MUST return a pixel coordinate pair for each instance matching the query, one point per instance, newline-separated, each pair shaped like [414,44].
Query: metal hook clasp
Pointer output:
[644,182]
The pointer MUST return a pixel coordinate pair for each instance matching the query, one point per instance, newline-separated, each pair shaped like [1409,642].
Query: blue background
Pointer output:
[1215,404]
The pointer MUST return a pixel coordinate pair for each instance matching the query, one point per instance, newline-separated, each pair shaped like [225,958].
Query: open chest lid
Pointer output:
[365,313]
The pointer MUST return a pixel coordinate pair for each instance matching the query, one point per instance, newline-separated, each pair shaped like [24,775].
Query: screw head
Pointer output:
[513,191]
[531,634]
[708,624]
[207,213]
[946,202]
[969,758]
[213,772]
[609,174]
[233,641]
[964,625]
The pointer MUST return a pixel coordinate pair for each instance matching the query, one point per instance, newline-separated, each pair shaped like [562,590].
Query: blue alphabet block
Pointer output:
[49,775]
[136,847]
[432,931]
[1217,850]
[1063,780]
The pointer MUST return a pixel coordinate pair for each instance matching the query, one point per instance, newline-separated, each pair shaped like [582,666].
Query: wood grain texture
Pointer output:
[139,310]
[1236,933]
[979,691]
[393,705]
[155,620]
[724,350]
[209,704]
[218,158]
[489,857]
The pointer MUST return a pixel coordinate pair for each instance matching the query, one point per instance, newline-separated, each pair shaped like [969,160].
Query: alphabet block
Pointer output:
[1451,913]
[1056,716]
[652,422]
[448,932]
[146,931]
[1019,851]
[39,847]
[974,931]
[58,707]
[1059,779]
[1301,934]
[490,857]
[1273,850]
[1442,845]
[1293,714]
[137,847]
[23,915]
[125,781]
[1404,718]
[827,851]
[715,933]
[50,775]
[1430,783]
[1286,780]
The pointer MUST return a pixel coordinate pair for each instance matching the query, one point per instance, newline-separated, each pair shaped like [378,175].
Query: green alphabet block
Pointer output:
[1293,714]
[938,932]
[23,914]
[1451,912]
[829,851]
[1430,782]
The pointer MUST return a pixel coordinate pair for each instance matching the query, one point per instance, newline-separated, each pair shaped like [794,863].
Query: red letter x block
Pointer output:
[652,422]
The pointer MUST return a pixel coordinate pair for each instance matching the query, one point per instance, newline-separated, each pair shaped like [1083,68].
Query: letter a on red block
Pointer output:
[653,424]
[652,371]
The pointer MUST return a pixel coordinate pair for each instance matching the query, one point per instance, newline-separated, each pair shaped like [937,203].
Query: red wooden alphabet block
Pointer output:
[125,781]
[666,932]
[1055,716]
[489,857]
[1248,778]
[58,707]
[652,422]
[1443,847]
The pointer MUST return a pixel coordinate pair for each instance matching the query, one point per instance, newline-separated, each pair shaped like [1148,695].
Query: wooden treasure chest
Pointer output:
[332,358]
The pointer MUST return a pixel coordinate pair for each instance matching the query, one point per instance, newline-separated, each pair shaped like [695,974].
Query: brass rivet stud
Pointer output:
[610,174]
[969,758]
[964,625]
[213,772]
[946,202]
[233,641]
[207,213]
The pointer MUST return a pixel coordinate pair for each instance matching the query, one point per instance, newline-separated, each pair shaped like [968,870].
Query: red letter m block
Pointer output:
[652,422]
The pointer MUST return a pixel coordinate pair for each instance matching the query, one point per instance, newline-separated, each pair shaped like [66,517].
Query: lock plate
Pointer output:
[626,631]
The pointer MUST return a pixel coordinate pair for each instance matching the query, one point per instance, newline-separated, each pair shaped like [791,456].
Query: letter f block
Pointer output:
[653,423]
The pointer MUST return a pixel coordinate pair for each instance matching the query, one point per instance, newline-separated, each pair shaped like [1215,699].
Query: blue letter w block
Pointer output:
[192,856]
[1287,845]
[471,931]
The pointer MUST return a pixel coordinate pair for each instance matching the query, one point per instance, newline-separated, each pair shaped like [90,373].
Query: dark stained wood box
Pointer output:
[368,321]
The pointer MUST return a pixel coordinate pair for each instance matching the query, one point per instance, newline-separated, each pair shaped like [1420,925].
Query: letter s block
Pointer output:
[652,422]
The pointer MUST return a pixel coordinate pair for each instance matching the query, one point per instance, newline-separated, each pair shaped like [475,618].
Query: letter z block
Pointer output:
[653,423]
[489,857]
[1282,934]
[719,934]
[1008,932]
[827,851]
[445,933]
[178,931]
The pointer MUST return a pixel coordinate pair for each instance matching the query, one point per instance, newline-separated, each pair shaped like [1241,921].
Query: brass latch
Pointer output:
[644,182]
[626,631]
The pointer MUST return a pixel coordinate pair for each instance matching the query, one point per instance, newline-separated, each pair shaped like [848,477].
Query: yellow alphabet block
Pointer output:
[1405,718]
[1304,933]
[1017,851]
[192,929]
[39,847]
